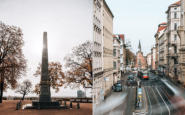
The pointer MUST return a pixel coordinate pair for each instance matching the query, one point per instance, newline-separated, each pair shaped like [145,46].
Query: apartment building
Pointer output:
[98,87]
[107,48]
[116,58]
[173,22]
[153,58]
[103,50]
[181,33]
[162,48]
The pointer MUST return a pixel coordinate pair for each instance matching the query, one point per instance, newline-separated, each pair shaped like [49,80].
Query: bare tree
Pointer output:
[56,75]
[130,56]
[79,64]
[12,60]
[24,88]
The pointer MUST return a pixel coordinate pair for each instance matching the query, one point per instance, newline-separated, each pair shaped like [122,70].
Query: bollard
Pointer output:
[71,104]
[18,106]
[78,105]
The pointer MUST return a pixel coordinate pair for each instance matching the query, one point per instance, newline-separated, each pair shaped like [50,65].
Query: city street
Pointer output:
[157,95]
[158,101]
[159,98]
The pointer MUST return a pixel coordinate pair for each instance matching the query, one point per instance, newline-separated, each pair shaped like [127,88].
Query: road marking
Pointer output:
[156,99]
[163,101]
[149,101]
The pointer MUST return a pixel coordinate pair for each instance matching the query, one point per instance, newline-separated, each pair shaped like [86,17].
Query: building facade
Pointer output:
[153,59]
[122,53]
[98,87]
[173,22]
[102,51]
[148,59]
[119,56]
[161,35]
[181,33]
[107,48]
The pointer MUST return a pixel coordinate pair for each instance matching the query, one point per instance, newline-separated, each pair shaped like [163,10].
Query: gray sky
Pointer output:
[68,23]
[139,19]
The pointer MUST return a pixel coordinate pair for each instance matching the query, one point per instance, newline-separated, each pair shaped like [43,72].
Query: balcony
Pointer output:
[173,43]
[172,55]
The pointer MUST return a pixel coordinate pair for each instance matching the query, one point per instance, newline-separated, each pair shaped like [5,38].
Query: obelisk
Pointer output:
[45,95]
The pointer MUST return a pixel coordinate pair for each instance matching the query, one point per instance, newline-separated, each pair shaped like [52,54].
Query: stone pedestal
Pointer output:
[46,105]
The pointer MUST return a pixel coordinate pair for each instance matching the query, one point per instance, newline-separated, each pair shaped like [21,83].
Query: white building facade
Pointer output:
[98,86]
[173,22]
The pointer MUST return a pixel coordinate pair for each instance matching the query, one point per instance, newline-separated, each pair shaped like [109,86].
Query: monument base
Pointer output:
[46,105]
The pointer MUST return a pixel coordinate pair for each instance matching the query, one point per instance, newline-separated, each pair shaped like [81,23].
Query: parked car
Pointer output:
[117,87]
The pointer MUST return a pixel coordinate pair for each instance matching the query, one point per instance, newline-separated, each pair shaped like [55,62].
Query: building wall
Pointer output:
[181,33]
[162,51]
[98,86]
[116,58]
[107,48]
[149,60]
[173,40]
[153,58]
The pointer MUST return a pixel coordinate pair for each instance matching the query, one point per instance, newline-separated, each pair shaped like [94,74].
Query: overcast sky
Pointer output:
[68,23]
[138,20]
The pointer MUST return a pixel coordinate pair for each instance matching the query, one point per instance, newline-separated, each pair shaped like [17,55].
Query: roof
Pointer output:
[162,26]
[114,36]
[174,4]
[177,3]
[121,36]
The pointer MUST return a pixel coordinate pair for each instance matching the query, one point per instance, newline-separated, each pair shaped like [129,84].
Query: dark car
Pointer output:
[131,81]
[117,87]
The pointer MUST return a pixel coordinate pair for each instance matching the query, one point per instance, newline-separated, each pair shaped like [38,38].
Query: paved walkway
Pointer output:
[114,104]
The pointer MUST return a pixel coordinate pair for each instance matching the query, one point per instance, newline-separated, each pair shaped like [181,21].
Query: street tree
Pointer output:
[24,88]
[56,75]
[79,64]
[130,56]
[12,60]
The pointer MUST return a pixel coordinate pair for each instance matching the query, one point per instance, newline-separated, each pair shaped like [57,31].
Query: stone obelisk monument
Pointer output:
[45,95]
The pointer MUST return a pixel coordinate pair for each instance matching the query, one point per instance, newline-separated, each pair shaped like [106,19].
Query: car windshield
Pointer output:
[118,84]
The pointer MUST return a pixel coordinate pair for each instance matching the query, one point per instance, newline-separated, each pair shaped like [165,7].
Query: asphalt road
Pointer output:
[130,101]
[158,101]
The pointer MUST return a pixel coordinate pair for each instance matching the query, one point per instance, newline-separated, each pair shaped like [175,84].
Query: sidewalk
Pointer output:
[113,101]
[110,103]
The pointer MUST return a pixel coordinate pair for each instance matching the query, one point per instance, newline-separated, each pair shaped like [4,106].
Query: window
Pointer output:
[175,26]
[175,8]
[175,37]
[175,15]
[114,64]
[114,52]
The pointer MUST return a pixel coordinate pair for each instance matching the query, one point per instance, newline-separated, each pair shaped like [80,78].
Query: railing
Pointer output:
[80,100]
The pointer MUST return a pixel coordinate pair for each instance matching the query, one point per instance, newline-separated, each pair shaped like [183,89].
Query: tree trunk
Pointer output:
[23,96]
[1,88]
